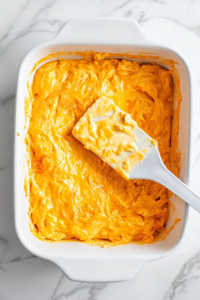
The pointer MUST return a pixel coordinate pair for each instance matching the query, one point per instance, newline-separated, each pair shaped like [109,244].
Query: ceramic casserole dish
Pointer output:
[80,261]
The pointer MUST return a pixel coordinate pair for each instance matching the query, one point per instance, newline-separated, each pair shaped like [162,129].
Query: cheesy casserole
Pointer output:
[73,194]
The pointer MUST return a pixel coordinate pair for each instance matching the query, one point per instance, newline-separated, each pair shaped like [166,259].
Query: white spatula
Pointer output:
[112,135]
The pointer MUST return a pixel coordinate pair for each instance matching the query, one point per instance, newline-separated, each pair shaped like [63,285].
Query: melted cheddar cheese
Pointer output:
[74,195]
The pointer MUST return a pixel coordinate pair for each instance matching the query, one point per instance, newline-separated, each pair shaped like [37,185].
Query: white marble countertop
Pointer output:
[25,24]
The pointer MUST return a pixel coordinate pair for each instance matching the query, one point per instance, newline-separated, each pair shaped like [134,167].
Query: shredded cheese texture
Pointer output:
[74,195]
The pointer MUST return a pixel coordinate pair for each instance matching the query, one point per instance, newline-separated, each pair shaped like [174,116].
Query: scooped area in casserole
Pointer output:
[113,136]
[73,194]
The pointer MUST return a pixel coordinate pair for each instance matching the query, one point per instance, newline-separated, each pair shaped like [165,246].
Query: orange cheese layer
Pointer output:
[73,193]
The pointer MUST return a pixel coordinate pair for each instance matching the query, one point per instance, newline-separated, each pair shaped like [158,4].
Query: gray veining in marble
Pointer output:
[189,272]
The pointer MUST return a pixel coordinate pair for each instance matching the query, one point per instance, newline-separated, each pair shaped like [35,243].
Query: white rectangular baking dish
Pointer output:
[79,261]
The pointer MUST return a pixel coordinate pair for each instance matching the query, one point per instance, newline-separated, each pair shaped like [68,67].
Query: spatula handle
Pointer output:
[166,178]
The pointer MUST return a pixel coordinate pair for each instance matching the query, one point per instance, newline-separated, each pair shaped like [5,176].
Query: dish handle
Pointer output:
[102,31]
[100,270]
